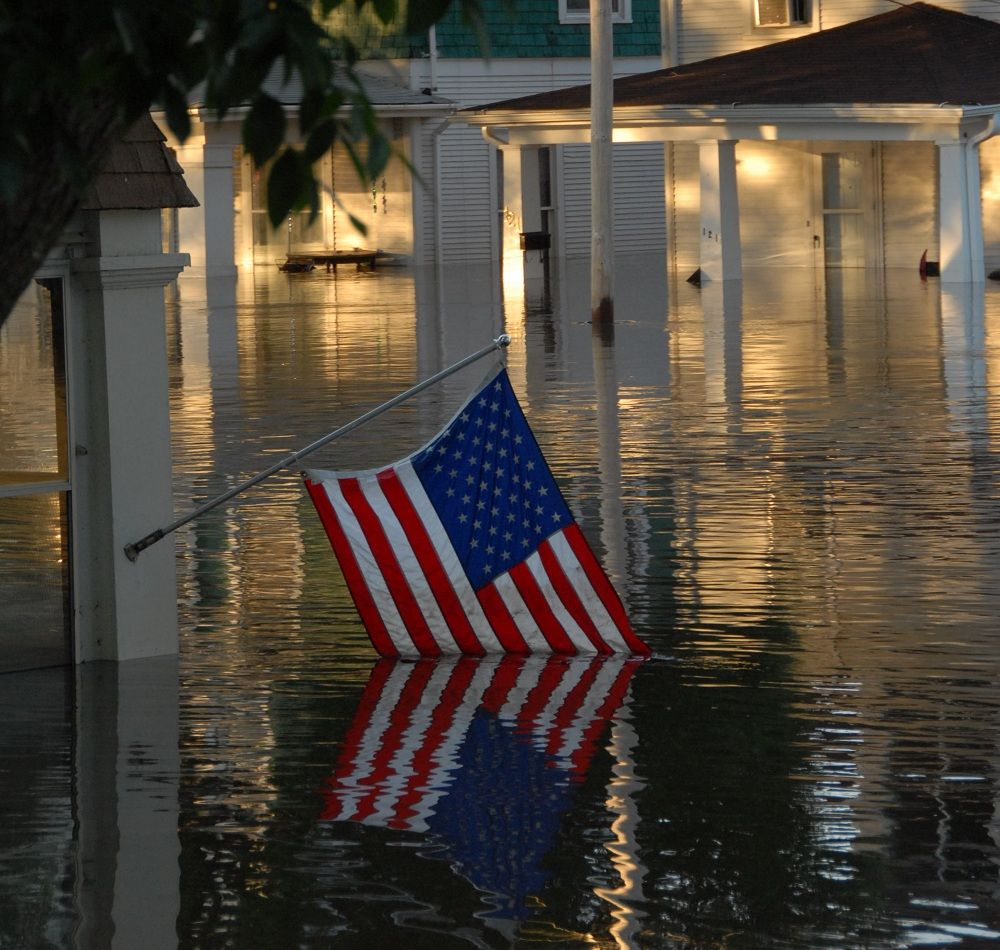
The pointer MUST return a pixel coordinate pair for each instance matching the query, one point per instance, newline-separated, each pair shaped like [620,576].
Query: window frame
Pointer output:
[808,6]
[623,14]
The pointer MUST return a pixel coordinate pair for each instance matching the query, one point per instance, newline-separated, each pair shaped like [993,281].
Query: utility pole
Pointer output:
[601,200]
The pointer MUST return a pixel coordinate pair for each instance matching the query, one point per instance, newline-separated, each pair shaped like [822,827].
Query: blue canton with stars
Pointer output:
[491,486]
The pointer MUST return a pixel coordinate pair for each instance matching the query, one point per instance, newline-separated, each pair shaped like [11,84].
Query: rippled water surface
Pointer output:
[794,484]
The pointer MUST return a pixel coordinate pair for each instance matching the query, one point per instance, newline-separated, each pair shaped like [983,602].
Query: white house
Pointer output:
[863,145]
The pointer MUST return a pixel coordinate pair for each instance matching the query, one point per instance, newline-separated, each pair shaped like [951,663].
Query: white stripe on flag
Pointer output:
[449,558]
[545,721]
[402,773]
[399,771]
[370,570]
[592,602]
[581,641]
[410,565]
[527,680]
[571,737]
[521,614]
[350,787]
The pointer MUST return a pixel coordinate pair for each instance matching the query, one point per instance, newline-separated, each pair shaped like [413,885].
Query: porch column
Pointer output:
[207,232]
[720,257]
[122,464]
[960,213]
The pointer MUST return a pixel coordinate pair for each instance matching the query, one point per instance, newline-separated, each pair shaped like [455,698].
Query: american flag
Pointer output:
[482,755]
[467,546]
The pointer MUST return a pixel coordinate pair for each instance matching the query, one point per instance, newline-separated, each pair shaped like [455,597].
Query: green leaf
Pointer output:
[378,154]
[311,108]
[312,198]
[264,128]
[321,140]
[422,14]
[285,185]
[358,223]
[386,10]
[175,105]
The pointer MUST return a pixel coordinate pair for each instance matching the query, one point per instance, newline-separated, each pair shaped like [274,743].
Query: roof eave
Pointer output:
[858,121]
[827,111]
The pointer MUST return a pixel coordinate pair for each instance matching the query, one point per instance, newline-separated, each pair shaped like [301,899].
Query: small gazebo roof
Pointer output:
[139,173]
[913,54]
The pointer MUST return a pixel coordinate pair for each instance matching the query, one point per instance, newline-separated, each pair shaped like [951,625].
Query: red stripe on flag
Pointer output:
[422,763]
[395,578]
[570,598]
[549,678]
[356,584]
[602,587]
[501,621]
[540,610]
[599,720]
[569,708]
[346,761]
[504,678]
[399,719]
[416,532]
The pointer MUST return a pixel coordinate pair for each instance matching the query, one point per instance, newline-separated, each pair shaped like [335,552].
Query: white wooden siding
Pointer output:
[711,28]
[468,206]
[639,216]
[989,157]
[775,197]
[685,218]
[576,198]
[909,202]
[467,197]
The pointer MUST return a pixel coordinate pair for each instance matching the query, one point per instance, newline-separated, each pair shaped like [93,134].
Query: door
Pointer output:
[844,200]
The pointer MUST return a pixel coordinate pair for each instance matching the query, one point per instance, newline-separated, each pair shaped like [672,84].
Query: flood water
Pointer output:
[792,481]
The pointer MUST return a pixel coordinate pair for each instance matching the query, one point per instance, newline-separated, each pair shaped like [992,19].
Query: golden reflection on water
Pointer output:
[793,482]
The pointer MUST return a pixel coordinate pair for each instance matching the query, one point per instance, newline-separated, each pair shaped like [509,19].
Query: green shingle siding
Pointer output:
[529,29]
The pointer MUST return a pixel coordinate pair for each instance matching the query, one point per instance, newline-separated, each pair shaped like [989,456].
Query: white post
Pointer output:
[128,876]
[960,213]
[601,189]
[207,232]
[721,258]
[513,206]
[122,462]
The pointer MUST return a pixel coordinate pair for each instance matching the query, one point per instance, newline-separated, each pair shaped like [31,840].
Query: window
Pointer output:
[578,11]
[773,13]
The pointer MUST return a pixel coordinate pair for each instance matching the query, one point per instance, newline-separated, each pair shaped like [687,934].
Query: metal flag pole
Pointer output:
[133,550]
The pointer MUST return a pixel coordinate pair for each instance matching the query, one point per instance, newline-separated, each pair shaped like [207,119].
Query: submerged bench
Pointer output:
[364,260]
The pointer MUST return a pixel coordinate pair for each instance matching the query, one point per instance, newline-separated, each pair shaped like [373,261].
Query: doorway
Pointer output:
[845,200]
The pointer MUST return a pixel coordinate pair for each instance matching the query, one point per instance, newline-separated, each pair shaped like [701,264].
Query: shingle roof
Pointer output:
[381,90]
[139,173]
[917,53]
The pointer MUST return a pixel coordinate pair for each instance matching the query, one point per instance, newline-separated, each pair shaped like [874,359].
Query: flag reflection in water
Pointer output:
[481,754]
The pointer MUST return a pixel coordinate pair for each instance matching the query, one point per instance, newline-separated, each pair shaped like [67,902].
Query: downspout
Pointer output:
[669,56]
[432,49]
[992,128]
[974,213]
[438,225]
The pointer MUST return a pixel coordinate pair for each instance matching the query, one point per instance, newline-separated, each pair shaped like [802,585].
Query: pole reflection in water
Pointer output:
[480,756]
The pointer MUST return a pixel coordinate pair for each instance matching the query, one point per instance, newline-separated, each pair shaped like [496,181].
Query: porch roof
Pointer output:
[918,66]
